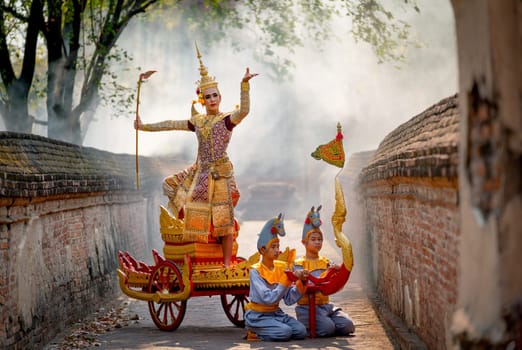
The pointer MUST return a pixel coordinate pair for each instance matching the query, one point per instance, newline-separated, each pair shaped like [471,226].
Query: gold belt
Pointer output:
[219,168]
[261,307]
[216,162]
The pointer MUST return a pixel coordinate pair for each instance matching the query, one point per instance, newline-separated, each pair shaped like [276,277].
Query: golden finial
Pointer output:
[206,81]
[197,51]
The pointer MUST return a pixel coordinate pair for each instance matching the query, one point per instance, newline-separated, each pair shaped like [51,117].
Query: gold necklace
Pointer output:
[206,122]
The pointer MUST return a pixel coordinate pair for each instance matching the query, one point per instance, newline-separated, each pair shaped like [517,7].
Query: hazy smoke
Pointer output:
[289,119]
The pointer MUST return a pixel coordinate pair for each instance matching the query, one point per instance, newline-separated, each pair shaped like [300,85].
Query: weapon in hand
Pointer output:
[143,78]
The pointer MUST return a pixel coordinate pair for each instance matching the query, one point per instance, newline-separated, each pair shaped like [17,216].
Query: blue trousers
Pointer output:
[329,320]
[274,326]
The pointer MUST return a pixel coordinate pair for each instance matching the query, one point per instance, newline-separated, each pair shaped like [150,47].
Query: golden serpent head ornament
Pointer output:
[206,80]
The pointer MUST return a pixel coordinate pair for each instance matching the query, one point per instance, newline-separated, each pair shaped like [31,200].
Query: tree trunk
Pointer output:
[15,110]
[62,125]
[17,118]
[88,114]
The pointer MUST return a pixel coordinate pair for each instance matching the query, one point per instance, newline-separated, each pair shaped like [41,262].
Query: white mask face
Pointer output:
[212,99]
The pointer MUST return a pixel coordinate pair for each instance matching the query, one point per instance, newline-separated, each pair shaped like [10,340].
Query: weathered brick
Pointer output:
[50,206]
[409,191]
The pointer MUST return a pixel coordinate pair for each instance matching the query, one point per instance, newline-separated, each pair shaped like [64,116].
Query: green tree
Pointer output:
[284,24]
[80,36]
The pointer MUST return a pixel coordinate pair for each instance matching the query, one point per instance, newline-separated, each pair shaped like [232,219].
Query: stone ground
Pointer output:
[126,322]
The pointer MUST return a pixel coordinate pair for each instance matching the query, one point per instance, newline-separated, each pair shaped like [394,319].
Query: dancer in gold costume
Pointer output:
[205,194]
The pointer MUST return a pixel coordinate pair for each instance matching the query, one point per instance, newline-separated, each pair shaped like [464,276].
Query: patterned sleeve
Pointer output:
[244,107]
[168,125]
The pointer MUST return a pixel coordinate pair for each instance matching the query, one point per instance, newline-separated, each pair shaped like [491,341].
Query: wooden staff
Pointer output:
[143,77]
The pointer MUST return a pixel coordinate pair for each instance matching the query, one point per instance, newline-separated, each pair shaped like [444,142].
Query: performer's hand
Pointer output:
[248,75]
[302,274]
[137,123]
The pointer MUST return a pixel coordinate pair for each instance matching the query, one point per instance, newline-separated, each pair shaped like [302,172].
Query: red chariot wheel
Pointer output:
[166,279]
[234,306]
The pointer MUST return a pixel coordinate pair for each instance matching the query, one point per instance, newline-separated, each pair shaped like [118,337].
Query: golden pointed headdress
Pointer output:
[206,80]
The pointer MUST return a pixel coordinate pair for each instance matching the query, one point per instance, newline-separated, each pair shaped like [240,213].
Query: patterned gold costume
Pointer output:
[205,194]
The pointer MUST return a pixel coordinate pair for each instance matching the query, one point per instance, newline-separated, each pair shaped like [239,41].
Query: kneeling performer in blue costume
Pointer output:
[268,285]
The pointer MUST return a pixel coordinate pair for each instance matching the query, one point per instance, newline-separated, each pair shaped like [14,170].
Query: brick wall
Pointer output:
[410,208]
[65,211]
[352,228]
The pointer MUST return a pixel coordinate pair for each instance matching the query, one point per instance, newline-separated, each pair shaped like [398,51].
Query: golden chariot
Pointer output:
[191,269]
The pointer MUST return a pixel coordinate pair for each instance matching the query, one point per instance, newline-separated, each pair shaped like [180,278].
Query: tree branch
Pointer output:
[33,28]
[10,10]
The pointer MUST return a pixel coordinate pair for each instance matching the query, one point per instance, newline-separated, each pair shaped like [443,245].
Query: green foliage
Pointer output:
[112,92]
[375,25]
[273,29]
[91,62]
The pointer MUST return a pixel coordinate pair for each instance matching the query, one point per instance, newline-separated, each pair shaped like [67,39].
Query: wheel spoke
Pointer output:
[166,314]
[235,308]
[160,308]
[171,310]
[237,303]
[166,278]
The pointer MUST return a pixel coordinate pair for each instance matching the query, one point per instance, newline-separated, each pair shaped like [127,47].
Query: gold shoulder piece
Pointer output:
[254,258]
[288,256]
